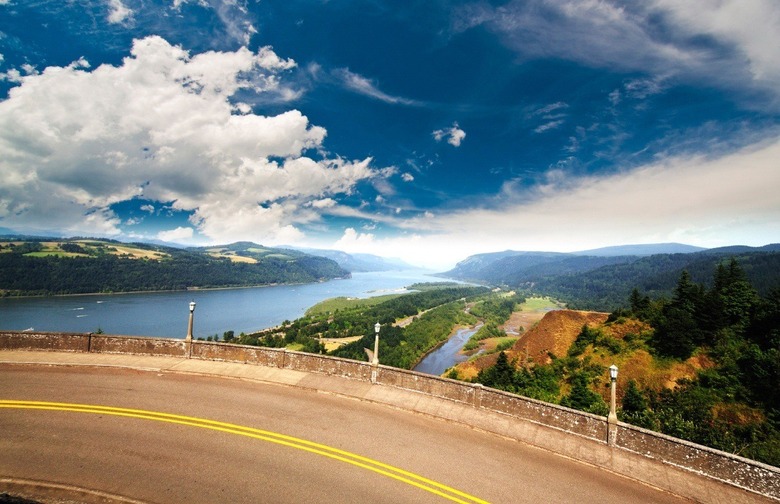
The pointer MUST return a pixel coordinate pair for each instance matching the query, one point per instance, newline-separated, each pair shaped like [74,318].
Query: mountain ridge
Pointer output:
[596,282]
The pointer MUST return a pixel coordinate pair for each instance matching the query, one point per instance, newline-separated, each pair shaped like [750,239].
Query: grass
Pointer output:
[233,257]
[57,253]
[344,303]
[91,248]
[539,304]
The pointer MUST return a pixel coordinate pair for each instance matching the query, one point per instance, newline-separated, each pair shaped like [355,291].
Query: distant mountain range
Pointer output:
[642,250]
[360,262]
[602,279]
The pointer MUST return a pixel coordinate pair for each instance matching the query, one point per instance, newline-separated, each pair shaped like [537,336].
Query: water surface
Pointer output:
[165,314]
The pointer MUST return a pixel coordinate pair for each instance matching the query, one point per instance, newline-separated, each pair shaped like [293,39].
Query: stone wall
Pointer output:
[708,474]
[101,343]
[61,342]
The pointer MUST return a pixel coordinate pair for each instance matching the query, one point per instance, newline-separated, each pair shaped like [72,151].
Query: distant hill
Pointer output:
[603,282]
[45,266]
[642,250]
[361,262]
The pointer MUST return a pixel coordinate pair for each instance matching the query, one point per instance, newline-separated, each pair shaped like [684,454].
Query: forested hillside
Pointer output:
[48,267]
[703,365]
[603,282]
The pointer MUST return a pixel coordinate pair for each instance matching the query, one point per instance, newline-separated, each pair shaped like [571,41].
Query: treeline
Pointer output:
[26,275]
[606,288]
[732,404]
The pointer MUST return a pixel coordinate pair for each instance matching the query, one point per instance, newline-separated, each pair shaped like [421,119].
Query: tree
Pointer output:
[582,398]
[733,294]
[677,330]
[499,376]
[633,399]
[640,306]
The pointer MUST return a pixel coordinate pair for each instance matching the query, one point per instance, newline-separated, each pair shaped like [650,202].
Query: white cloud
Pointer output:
[233,14]
[407,177]
[353,241]
[706,202]
[364,86]
[727,43]
[118,12]
[454,135]
[148,208]
[161,126]
[183,234]
[323,203]
[751,26]
[549,109]
[549,126]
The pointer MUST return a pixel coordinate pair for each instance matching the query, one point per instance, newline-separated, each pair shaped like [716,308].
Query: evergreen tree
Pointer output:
[678,330]
[633,399]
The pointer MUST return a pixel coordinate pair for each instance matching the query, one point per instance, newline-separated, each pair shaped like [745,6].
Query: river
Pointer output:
[165,314]
[448,354]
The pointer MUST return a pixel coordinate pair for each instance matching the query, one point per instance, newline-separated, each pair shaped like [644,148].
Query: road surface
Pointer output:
[164,437]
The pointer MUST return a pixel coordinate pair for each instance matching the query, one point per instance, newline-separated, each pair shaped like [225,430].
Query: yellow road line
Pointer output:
[401,475]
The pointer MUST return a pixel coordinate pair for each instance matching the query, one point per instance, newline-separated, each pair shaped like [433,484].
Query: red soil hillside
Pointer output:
[553,334]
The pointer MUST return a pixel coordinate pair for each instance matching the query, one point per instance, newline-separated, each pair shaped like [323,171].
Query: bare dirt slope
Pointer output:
[554,333]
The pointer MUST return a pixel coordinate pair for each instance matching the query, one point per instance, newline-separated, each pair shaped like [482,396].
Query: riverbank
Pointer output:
[5,295]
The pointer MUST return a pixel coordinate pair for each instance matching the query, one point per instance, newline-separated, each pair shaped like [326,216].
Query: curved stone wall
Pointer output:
[701,473]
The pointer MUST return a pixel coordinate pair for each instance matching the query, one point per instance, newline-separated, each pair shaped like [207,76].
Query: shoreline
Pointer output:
[158,291]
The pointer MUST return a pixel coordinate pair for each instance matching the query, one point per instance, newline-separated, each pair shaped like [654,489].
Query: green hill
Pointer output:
[79,266]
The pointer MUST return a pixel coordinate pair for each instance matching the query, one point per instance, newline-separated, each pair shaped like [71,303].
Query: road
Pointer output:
[244,441]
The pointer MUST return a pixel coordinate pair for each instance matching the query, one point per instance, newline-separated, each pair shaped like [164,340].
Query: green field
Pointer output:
[540,304]
[343,303]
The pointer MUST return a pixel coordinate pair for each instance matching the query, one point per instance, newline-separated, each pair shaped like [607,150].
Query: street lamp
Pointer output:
[375,361]
[189,325]
[613,372]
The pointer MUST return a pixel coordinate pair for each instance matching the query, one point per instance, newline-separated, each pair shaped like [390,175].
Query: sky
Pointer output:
[428,130]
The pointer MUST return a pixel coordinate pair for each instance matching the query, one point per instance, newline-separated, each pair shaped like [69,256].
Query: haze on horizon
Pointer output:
[427,132]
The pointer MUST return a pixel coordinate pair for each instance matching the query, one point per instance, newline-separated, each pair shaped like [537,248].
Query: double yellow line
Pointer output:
[272,437]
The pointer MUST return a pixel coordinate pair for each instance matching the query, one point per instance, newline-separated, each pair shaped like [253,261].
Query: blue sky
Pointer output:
[428,130]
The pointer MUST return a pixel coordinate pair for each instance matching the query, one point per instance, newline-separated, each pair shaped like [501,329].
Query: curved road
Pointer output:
[193,439]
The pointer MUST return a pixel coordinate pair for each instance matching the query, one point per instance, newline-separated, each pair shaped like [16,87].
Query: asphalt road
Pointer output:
[257,445]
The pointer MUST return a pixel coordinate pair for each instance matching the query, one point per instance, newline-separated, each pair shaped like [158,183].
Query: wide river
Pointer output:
[165,314]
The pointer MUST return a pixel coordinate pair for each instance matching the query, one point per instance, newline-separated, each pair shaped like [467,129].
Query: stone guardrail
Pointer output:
[681,467]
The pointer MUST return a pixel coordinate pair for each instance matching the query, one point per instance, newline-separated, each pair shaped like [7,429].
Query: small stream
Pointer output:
[446,356]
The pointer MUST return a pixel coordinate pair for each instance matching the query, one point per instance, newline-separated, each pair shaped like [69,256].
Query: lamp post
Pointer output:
[375,360]
[375,355]
[613,372]
[612,418]
[189,325]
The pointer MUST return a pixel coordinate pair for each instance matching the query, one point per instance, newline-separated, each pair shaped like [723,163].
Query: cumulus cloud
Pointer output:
[407,177]
[353,241]
[174,235]
[454,135]
[161,126]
